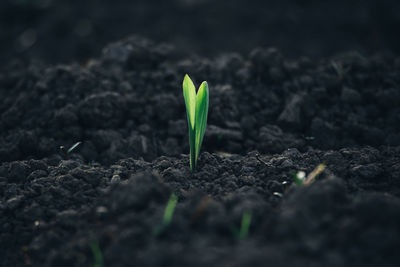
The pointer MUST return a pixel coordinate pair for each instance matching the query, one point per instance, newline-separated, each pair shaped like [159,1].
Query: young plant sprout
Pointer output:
[245,225]
[197,112]
[67,152]
[97,254]
[243,231]
[168,213]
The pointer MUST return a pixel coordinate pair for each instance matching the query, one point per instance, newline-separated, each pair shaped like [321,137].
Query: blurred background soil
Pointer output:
[67,30]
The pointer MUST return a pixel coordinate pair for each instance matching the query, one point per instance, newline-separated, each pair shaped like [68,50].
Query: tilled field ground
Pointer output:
[270,117]
[70,30]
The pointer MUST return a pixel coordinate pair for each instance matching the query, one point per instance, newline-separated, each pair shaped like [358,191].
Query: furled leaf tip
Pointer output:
[189,93]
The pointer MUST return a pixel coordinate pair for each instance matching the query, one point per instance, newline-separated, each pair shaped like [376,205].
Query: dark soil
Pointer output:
[129,104]
[64,30]
[271,115]
[53,211]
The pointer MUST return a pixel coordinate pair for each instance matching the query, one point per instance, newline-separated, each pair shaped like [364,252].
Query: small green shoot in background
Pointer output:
[243,231]
[168,213]
[245,225]
[197,112]
[97,254]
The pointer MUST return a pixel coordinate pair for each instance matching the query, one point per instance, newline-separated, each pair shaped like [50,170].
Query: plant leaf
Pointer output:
[202,102]
[97,254]
[189,93]
[244,227]
[169,209]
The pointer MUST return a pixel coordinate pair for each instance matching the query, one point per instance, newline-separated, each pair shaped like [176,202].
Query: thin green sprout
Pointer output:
[97,254]
[169,209]
[245,225]
[168,214]
[197,113]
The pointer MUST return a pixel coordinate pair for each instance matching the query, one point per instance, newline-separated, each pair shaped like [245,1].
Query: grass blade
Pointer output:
[169,210]
[97,254]
[168,213]
[201,116]
[244,227]
[189,93]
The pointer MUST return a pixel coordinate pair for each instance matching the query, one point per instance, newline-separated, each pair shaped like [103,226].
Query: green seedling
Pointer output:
[168,213]
[97,254]
[197,112]
[243,231]
[67,152]
[245,225]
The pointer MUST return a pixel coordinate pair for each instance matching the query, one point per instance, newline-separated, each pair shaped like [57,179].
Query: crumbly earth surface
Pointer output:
[270,117]
[73,30]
